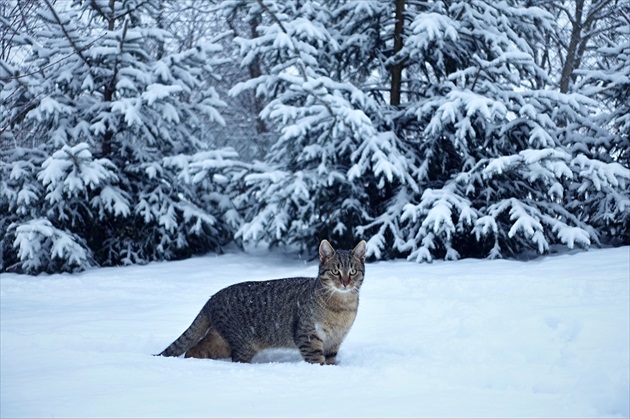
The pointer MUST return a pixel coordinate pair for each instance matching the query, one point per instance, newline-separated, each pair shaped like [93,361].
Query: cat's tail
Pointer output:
[191,336]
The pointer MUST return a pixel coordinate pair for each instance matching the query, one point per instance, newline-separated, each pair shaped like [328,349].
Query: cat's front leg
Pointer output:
[331,357]
[311,347]
[330,351]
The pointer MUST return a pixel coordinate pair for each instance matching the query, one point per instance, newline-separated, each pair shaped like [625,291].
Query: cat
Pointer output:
[310,314]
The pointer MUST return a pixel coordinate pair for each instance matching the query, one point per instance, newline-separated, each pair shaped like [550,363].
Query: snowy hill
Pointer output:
[473,338]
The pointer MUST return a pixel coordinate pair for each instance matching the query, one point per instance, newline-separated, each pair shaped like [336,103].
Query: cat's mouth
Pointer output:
[342,288]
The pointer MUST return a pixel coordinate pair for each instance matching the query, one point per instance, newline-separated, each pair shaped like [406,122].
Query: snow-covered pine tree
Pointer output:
[370,35]
[331,161]
[497,162]
[467,150]
[295,196]
[602,196]
[103,121]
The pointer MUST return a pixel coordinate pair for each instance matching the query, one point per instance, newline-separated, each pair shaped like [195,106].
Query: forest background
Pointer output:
[141,130]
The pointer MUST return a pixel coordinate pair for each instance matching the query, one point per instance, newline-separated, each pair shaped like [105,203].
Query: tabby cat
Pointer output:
[310,314]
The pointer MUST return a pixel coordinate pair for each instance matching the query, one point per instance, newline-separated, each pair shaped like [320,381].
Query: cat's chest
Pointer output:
[334,325]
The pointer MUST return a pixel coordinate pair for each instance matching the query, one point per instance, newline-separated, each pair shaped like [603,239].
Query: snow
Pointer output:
[31,237]
[431,26]
[51,106]
[158,91]
[113,200]
[472,338]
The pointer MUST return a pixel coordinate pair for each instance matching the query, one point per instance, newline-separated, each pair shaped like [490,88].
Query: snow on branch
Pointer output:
[158,91]
[546,164]
[444,213]
[601,174]
[41,246]
[72,170]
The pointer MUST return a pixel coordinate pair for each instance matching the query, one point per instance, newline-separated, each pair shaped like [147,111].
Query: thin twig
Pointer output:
[295,50]
[66,34]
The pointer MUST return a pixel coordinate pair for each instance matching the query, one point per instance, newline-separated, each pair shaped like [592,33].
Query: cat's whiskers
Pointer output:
[329,292]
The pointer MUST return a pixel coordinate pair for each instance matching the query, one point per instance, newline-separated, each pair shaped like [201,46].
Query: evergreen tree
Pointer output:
[441,129]
[104,121]
[463,147]
[330,158]
[501,154]
[601,198]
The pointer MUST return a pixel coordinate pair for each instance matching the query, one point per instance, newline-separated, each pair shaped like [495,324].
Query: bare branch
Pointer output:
[76,48]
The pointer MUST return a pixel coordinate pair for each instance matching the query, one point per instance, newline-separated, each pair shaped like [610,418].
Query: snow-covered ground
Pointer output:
[544,338]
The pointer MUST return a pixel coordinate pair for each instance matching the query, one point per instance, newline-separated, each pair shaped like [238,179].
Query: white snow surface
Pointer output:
[472,338]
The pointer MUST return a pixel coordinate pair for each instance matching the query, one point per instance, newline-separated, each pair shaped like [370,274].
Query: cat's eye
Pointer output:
[353,271]
[335,271]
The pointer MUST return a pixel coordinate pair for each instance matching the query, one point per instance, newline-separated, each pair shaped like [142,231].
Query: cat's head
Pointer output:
[342,270]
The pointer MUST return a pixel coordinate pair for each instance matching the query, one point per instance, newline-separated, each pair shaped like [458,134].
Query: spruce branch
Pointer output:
[298,61]
[76,48]
[275,18]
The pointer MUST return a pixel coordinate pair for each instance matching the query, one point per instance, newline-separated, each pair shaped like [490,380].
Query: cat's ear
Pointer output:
[359,250]
[325,250]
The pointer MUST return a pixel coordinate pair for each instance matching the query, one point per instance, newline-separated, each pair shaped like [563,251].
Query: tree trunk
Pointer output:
[569,61]
[397,69]
[255,72]
[110,88]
